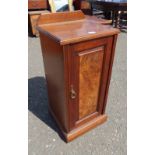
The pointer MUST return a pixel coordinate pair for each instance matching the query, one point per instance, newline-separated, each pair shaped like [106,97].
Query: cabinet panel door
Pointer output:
[90,68]
[89,72]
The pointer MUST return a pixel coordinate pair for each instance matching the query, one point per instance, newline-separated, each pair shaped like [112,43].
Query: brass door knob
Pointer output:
[73,93]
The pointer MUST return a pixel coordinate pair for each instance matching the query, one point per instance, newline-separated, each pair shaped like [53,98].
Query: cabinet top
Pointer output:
[73,27]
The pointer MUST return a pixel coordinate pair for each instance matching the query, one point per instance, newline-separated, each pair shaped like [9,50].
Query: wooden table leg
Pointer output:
[115,20]
[107,14]
[113,17]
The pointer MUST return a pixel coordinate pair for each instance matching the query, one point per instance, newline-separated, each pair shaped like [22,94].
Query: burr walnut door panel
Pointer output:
[90,68]
[88,78]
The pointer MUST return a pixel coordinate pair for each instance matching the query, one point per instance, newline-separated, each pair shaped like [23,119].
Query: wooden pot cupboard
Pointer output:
[78,54]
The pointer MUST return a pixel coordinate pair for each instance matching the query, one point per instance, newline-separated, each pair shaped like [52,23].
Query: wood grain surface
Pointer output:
[89,80]
[54,70]
[73,27]
[78,54]
[37,4]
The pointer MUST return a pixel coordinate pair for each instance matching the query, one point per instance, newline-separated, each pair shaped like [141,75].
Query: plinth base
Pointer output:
[81,129]
[84,128]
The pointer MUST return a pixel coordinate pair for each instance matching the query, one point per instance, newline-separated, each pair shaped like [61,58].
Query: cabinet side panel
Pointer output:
[54,70]
[112,49]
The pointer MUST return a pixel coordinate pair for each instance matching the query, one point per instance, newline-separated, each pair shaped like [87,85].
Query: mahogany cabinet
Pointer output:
[78,54]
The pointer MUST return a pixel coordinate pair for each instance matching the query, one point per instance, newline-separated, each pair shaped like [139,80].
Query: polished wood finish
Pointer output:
[37,4]
[54,70]
[90,66]
[85,128]
[104,43]
[60,18]
[35,9]
[60,27]
[98,20]
[78,66]
[32,20]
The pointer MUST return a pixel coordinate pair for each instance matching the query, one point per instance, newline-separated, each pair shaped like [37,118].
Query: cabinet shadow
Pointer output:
[38,102]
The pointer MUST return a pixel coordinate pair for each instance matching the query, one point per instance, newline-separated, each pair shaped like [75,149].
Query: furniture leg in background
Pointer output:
[32,20]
